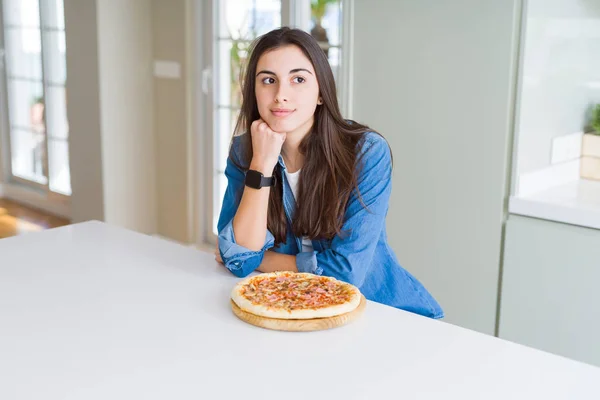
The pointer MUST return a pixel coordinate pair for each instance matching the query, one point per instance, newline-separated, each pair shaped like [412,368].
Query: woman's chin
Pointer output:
[281,126]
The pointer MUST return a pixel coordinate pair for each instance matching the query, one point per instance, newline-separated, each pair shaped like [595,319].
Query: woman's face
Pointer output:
[287,91]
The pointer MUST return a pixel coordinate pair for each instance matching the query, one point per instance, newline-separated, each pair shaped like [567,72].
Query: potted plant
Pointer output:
[590,149]
[317,10]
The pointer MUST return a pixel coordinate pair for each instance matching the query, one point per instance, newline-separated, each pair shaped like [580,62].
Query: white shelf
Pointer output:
[576,203]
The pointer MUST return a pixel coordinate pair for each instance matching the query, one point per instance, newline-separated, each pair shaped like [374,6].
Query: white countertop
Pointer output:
[576,203]
[91,311]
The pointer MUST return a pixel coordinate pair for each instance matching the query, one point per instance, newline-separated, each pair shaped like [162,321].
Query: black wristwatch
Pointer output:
[257,180]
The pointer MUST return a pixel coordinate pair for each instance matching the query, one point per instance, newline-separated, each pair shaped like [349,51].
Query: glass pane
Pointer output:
[58,165]
[224,76]
[23,53]
[26,105]
[219,189]
[27,153]
[232,54]
[55,57]
[225,123]
[21,13]
[56,114]
[335,54]
[248,19]
[326,23]
[243,21]
[55,14]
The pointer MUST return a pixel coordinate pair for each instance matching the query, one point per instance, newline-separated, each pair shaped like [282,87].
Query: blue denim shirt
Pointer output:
[362,258]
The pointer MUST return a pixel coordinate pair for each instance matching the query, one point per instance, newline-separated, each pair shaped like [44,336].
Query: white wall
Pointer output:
[561,75]
[127,108]
[436,79]
[85,131]
[110,88]
[170,118]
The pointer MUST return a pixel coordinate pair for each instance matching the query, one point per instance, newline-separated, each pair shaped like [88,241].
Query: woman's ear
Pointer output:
[320,101]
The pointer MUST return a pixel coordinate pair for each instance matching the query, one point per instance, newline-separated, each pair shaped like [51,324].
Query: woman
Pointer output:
[307,190]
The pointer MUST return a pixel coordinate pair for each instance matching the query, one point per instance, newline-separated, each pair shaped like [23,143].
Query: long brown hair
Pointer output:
[329,149]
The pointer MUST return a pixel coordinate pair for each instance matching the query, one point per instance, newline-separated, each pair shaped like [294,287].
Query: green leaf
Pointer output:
[596,119]
[319,7]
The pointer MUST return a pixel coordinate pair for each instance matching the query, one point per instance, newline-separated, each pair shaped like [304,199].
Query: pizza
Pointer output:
[293,295]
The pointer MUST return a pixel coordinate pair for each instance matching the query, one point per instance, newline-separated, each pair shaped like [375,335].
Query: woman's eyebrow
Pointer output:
[293,71]
[264,71]
[300,69]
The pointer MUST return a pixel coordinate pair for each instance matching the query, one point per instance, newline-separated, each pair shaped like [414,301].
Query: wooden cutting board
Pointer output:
[300,325]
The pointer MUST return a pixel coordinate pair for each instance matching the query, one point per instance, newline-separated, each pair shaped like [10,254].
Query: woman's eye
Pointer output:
[268,81]
[298,79]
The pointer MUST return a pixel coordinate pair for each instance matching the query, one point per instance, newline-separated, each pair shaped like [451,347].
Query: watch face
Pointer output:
[253,179]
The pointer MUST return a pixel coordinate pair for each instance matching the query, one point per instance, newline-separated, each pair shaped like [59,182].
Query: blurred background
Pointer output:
[122,111]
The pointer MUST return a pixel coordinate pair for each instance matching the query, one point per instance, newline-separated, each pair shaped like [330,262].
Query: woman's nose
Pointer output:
[282,94]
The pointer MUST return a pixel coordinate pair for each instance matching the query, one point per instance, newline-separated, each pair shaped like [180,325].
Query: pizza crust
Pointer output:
[280,313]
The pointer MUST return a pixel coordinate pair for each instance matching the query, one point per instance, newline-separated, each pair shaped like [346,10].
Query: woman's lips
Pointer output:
[279,112]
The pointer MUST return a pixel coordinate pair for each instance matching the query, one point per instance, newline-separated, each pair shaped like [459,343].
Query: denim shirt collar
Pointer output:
[281,162]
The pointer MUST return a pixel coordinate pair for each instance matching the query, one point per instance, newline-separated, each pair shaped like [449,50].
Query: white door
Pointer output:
[34,120]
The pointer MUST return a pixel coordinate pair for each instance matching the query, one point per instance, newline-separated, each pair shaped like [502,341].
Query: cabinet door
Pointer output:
[550,291]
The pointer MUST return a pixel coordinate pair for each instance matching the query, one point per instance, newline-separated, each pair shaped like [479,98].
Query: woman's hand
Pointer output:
[266,147]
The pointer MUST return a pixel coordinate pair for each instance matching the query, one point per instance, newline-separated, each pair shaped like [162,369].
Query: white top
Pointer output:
[92,312]
[293,181]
